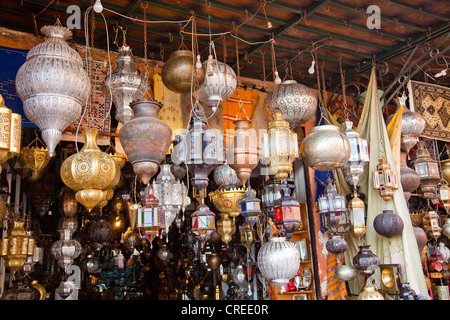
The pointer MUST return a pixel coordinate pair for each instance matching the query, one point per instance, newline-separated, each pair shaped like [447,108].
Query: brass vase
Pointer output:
[145,139]
[409,178]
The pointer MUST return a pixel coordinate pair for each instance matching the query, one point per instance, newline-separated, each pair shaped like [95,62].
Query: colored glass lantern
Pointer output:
[359,155]
[271,193]
[250,207]
[444,196]
[280,147]
[430,224]
[428,171]
[201,149]
[287,216]
[248,235]
[150,217]
[385,180]
[333,208]
[357,215]
[203,223]
[437,264]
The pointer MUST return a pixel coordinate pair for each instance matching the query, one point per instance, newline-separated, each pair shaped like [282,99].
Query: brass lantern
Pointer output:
[90,172]
[280,147]
[357,216]
[150,218]
[228,200]
[203,223]
[10,132]
[385,180]
[36,158]
[248,235]
[333,209]
[430,224]
[287,217]
[444,196]
[16,247]
[226,227]
[428,170]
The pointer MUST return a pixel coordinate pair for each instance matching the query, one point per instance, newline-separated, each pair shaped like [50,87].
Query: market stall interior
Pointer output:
[215,150]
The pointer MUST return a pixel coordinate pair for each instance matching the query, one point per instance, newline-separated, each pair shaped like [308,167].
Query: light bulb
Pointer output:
[269,25]
[442,73]
[311,69]
[98,6]
[277,78]
[198,64]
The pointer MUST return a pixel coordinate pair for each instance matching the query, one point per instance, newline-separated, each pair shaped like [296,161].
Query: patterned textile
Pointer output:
[96,116]
[336,288]
[433,103]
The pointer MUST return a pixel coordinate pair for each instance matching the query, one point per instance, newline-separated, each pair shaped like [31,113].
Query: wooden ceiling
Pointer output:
[413,32]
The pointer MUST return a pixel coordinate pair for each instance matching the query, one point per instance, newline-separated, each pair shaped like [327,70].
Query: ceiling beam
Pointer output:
[418,10]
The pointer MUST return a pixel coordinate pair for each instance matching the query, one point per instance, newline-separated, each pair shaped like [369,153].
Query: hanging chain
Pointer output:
[264,67]
[237,57]
[344,97]
[274,63]
[145,42]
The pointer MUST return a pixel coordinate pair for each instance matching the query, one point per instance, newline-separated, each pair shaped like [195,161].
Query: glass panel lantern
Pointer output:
[203,223]
[357,216]
[271,193]
[280,147]
[248,236]
[385,180]
[150,217]
[444,196]
[250,207]
[359,155]
[333,208]
[287,213]
[428,170]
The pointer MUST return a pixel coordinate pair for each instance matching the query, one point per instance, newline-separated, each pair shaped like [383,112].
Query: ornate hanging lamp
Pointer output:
[145,139]
[225,227]
[357,216]
[428,171]
[444,196]
[16,247]
[35,157]
[125,84]
[333,209]
[280,147]
[388,224]
[247,235]
[203,223]
[10,132]
[250,207]
[66,249]
[297,102]
[90,172]
[271,193]
[225,177]
[288,218]
[53,85]
[150,218]
[228,200]
[430,224]
[385,180]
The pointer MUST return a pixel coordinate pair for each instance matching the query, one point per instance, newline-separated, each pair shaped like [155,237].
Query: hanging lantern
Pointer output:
[205,152]
[172,194]
[437,264]
[145,139]
[203,223]
[428,171]
[409,178]
[91,264]
[228,201]
[243,155]
[226,227]
[287,216]
[247,235]
[359,155]
[225,177]
[297,102]
[385,180]
[325,148]
[421,238]
[90,172]
[388,224]
[332,207]
[16,247]
[278,260]
[280,147]
[53,85]
[271,193]
[65,250]
[179,74]
[250,207]
[150,217]
[34,157]
[21,290]
[68,204]
[370,293]
[100,231]
[357,215]
[430,224]
[125,85]
[219,84]
[131,239]
[444,196]
[364,259]
[10,132]
[336,244]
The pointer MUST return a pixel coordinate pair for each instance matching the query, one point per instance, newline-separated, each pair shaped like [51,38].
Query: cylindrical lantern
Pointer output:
[428,171]
[357,215]
[53,85]
[325,148]
[287,216]
[203,223]
[280,147]
[297,102]
[126,85]
[150,217]
[385,180]
[333,208]
[278,260]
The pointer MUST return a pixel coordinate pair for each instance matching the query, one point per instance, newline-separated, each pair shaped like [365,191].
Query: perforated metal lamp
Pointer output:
[333,208]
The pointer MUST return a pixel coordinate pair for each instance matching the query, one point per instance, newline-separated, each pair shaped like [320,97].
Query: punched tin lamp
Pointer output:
[385,180]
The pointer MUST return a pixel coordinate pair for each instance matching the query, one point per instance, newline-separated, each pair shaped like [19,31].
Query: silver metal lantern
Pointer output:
[53,85]
[333,208]
[65,250]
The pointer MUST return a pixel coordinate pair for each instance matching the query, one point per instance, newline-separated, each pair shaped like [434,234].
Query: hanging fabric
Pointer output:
[336,288]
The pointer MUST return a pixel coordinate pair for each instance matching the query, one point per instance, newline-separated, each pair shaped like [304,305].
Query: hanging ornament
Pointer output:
[178,74]
[201,149]
[53,85]
[332,207]
[297,102]
[220,83]
[125,84]
[145,139]
[203,223]
[90,172]
[10,132]
[280,147]
[287,216]
[359,155]
[427,169]
[325,148]
[150,217]
[388,224]
[385,180]
[16,247]
[243,155]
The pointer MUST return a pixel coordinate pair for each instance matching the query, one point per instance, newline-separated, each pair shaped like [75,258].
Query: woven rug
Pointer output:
[433,103]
